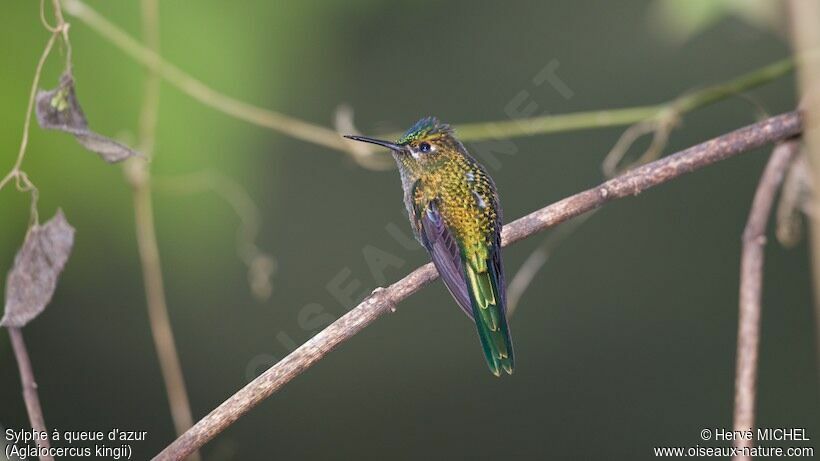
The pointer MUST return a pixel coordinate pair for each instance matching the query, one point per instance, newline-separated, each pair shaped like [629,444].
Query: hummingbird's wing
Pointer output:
[446,255]
[476,283]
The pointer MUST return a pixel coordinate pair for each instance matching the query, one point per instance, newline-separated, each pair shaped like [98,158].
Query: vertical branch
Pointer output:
[139,176]
[806,44]
[30,396]
[157,307]
[150,97]
[24,184]
[751,289]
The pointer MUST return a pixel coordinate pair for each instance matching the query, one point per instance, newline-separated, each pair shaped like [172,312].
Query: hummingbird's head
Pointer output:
[425,140]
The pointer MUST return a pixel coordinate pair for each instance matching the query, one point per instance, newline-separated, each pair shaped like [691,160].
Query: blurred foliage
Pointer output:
[680,20]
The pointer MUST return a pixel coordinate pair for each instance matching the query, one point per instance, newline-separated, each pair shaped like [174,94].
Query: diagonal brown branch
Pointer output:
[751,289]
[384,300]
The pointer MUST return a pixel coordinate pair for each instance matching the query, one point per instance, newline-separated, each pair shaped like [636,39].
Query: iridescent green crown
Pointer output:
[423,128]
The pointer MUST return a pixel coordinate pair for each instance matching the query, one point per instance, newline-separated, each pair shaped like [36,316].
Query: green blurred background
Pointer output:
[625,341]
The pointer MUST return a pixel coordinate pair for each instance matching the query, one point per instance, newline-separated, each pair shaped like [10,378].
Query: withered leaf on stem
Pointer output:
[795,201]
[59,109]
[33,278]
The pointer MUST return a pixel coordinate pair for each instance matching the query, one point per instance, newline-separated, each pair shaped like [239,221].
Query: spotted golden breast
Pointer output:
[467,201]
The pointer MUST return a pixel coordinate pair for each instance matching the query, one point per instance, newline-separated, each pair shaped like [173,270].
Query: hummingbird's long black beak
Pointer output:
[378,142]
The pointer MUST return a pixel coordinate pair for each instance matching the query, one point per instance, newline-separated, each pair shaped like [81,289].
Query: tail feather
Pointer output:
[488,312]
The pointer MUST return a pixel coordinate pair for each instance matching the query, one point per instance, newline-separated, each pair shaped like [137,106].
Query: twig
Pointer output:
[751,289]
[627,116]
[16,173]
[260,264]
[670,114]
[660,127]
[139,176]
[733,87]
[317,134]
[196,89]
[150,98]
[30,396]
[522,279]
[362,152]
[382,301]
[158,310]
[24,184]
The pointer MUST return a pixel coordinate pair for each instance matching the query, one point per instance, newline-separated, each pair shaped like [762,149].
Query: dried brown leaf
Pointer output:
[37,266]
[59,109]
[795,199]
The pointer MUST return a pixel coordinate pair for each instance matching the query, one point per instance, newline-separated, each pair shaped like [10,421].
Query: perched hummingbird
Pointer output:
[455,214]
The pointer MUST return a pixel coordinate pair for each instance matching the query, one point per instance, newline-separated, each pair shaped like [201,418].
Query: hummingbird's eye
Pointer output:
[424,147]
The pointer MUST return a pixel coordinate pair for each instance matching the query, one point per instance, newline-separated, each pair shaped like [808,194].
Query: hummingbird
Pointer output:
[455,214]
